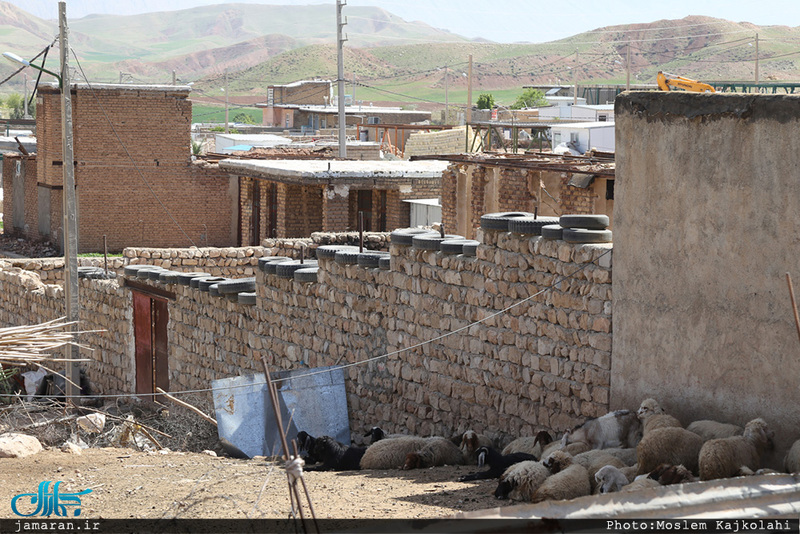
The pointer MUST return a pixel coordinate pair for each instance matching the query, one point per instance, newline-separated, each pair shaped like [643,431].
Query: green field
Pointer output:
[206,113]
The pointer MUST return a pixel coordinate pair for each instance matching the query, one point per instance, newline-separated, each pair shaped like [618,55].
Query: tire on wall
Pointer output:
[404,236]
[581,235]
[552,231]
[530,225]
[589,222]
[499,221]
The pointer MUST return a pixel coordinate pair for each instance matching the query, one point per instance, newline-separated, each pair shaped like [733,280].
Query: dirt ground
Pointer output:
[130,484]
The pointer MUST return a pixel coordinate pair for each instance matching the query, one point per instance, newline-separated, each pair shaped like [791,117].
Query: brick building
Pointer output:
[549,186]
[135,180]
[296,198]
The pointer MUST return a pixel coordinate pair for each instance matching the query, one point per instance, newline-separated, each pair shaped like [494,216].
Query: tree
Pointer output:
[243,118]
[530,98]
[16,103]
[485,101]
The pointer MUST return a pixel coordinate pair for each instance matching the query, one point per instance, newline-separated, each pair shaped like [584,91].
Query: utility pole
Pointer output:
[174,78]
[757,63]
[25,101]
[628,68]
[575,97]
[469,91]
[446,102]
[354,88]
[340,78]
[226,100]
[70,224]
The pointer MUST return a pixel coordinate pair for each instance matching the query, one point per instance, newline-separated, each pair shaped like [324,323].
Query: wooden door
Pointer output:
[255,218]
[272,210]
[150,319]
[365,206]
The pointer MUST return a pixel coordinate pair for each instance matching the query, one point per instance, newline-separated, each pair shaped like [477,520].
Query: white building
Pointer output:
[560,107]
[583,136]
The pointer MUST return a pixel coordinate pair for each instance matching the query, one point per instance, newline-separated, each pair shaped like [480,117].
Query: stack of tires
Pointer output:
[579,229]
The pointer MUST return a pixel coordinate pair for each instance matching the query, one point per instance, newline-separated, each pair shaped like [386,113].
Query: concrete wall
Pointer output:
[706,226]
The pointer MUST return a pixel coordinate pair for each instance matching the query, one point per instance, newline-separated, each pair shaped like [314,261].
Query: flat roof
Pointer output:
[121,87]
[599,107]
[323,171]
[585,125]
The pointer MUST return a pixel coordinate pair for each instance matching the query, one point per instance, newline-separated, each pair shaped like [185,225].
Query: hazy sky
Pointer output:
[503,21]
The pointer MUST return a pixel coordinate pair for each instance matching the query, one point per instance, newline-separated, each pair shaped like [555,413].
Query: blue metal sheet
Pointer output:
[316,403]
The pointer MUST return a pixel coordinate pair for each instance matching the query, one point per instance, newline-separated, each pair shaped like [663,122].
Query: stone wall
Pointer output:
[706,229]
[536,362]
[442,142]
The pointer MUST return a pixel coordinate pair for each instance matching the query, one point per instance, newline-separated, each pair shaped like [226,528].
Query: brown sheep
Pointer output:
[723,458]
[671,446]
[652,416]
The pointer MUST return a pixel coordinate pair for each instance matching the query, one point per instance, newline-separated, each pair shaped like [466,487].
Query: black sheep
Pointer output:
[54,386]
[335,456]
[305,444]
[497,463]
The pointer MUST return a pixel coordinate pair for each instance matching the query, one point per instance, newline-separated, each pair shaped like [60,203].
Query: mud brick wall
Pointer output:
[443,142]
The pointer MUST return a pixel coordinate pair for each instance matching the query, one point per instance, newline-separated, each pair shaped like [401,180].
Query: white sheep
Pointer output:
[391,453]
[652,416]
[609,479]
[791,463]
[640,484]
[437,451]
[471,441]
[627,456]
[596,459]
[668,446]
[530,444]
[568,480]
[708,429]
[614,429]
[520,481]
[723,458]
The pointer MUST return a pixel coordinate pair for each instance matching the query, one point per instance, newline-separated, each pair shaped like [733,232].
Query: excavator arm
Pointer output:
[670,82]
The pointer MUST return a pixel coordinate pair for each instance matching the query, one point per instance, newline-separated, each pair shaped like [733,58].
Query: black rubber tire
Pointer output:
[370,259]
[263,261]
[89,269]
[287,268]
[156,275]
[185,279]
[499,221]
[431,241]
[131,270]
[213,290]
[552,231]
[205,283]
[237,285]
[582,235]
[452,246]
[346,257]
[168,277]
[233,297]
[404,236]
[530,225]
[269,267]
[144,274]
[247,298]
[195,282]
[309,274]
[471,248]
[587,222]
[385,263]
[328,252]
[97,275]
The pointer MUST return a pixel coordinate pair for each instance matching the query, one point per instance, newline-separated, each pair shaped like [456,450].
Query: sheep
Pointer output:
[567,481]
[791,463]
[305,444]
[391,453]
[335,456]
[521,480]
[376,434]
[708,429]
[668,445]
[615,429]
[640,484]
[653,416]
[627,456]
[437,451]
[594,460]
[530,444]
[722,458]
[471,441]
[497,462]
[609,479]
[666,474]
[630,472]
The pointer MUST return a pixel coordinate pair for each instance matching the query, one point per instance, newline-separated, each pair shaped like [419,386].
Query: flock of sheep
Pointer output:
[620,451]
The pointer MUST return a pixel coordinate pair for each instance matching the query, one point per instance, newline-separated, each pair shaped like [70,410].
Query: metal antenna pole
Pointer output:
[70,219]
[340,79]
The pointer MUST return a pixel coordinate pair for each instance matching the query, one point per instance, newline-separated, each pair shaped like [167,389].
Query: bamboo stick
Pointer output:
[187,406]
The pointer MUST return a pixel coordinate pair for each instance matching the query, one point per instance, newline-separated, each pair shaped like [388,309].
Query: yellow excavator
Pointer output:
[670,82]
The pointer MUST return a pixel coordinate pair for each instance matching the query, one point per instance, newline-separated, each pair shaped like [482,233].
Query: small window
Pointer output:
[373,120]
[573,137]
[602,118]
[609,189]
[556,138]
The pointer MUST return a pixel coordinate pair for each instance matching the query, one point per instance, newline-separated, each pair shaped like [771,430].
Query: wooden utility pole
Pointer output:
[340,78]
[469,91]
[226,100]
[757,62]
[70,221]
[446,102]
[575,72]
[628,68]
